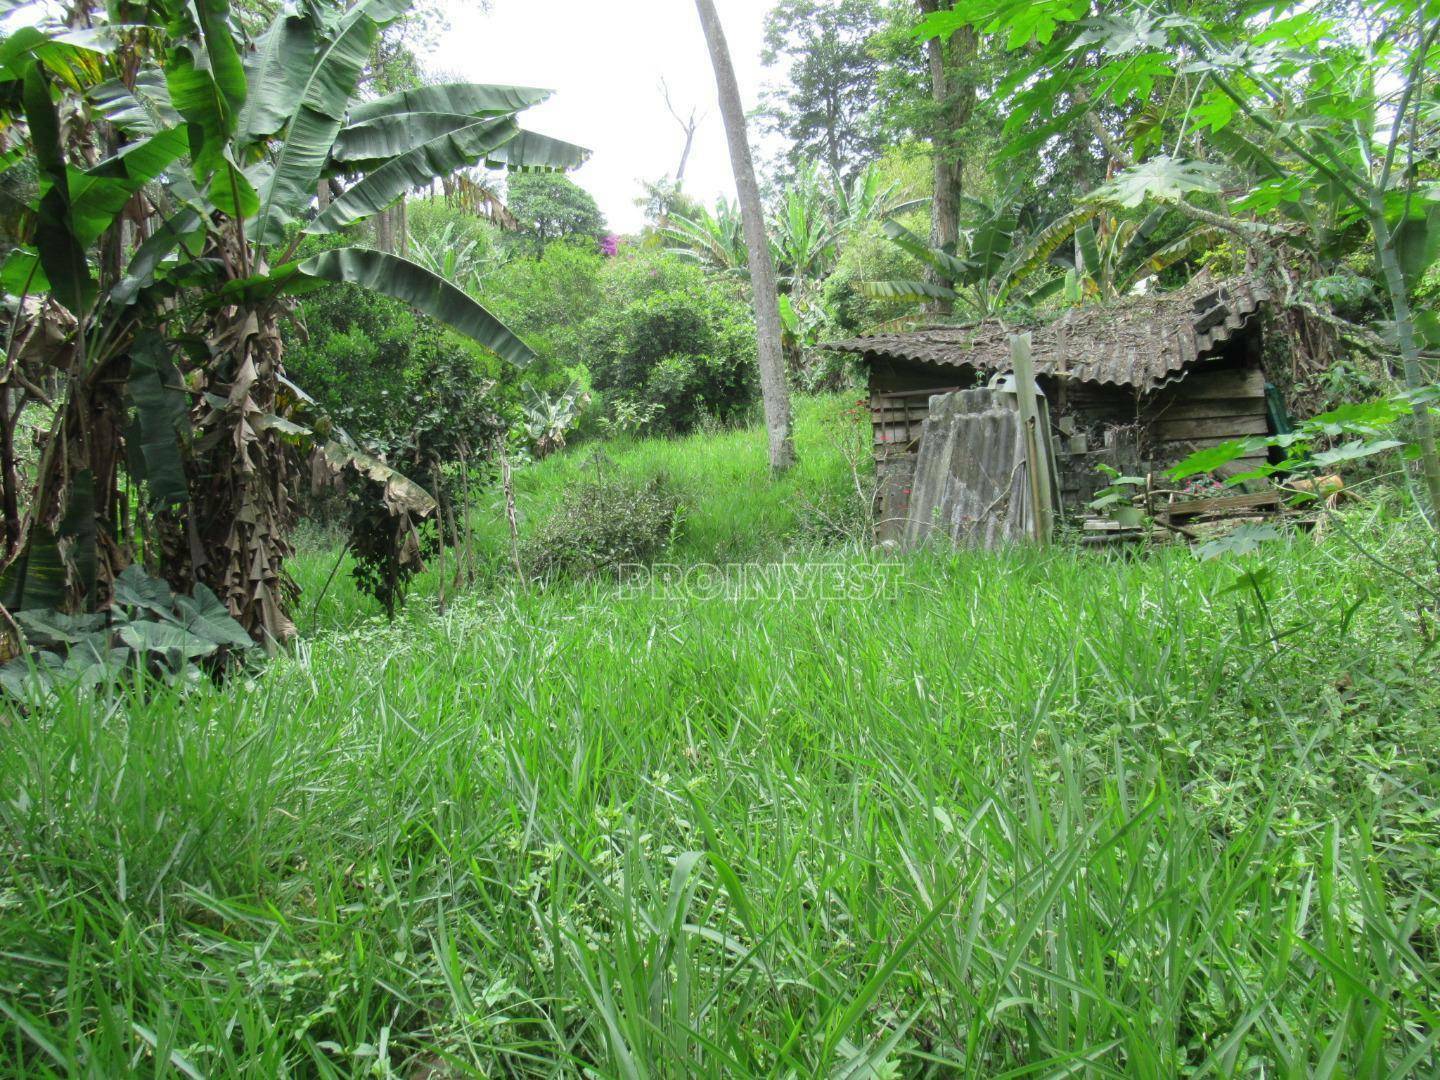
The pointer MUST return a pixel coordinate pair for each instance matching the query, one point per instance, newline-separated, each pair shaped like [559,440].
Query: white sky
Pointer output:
[605,59]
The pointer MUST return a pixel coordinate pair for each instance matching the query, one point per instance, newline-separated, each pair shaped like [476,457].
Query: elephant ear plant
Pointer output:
[175,171]
[147,628]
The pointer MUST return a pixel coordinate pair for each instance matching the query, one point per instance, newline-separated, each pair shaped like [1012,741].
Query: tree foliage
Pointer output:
[825,106]
[670,336]
[162,237]
[551,207]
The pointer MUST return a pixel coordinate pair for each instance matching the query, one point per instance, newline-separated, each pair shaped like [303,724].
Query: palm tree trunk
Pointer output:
[774,391]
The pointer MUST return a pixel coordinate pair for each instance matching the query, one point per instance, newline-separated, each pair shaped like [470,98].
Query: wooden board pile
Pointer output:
[1173,515]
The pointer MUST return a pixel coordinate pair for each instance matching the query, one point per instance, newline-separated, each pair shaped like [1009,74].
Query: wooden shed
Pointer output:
[1138,384]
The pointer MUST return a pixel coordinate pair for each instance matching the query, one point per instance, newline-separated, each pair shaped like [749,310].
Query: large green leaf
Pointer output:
[275,76]
[162,416]
[1195,242]
[73,56]
[992,240]
[316,114]
[369,145]
[206,79]
[404,280]
[141,109]
[173,642]
[48,629]
[22,275]
[230,190]
[451,151]
[942,261]
[185,227]
[910,292]
[537,152]
[1088,250]
[41,573]
[98,194]
[134,588]
[61,253]
[1417,244]
[206,617]
[468,99]
[36,578]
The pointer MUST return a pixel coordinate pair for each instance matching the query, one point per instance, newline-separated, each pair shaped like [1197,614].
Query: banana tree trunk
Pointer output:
[774,390]
[242,494]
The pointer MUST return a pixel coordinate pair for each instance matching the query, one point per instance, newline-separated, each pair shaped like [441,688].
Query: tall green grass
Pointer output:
[731,509]
[1030,815]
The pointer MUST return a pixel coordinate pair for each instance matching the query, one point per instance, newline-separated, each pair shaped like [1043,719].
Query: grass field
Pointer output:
[1028,814]
[731,509]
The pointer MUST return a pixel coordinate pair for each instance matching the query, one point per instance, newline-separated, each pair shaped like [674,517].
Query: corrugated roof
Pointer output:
[1140,341]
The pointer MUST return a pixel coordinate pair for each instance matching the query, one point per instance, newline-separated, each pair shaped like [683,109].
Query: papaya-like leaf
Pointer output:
[1163,177]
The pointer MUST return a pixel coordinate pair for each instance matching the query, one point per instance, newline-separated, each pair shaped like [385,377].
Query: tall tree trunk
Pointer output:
[954,97]
[1415,375]
[774,391]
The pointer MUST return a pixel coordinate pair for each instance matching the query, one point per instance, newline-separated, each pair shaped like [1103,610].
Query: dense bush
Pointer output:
[421,398]
[868,256]
[546,301]
[671,336]
[605,523]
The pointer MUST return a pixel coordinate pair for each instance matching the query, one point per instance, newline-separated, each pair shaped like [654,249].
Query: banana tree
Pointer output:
[986,270]
[1109,255]
[713,238]
[168,239]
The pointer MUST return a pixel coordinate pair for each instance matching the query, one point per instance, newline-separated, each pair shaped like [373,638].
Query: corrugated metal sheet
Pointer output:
[1141,341]
[970,483]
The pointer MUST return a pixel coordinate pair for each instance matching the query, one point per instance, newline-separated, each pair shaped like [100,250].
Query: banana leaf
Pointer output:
[448,153]
[404,280]
[468,99]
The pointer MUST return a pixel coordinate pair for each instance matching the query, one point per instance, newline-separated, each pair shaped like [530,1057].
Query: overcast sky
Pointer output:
[605,59]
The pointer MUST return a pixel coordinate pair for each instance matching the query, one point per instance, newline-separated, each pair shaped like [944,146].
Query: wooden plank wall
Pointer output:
[900,402]
[1207,408]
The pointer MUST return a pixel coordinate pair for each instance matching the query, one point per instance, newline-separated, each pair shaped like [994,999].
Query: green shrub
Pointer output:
[670,335]
[546,301]
[605,523]
[868,256]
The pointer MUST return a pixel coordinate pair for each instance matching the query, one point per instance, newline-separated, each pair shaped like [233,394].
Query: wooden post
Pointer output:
[1037,461]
